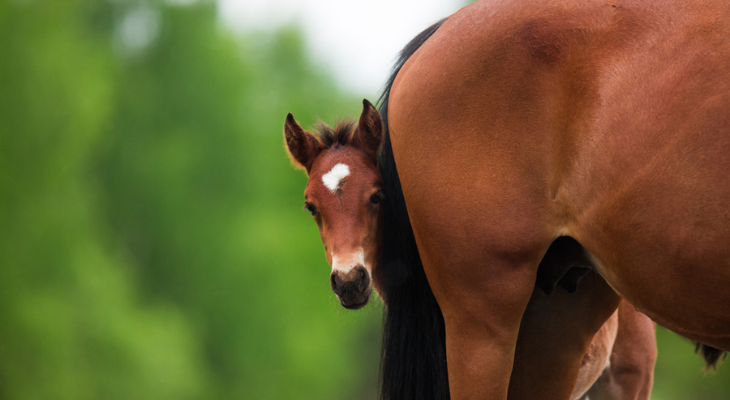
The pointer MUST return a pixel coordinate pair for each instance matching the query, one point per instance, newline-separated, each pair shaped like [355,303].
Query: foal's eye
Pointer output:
[312,209]
[375,198]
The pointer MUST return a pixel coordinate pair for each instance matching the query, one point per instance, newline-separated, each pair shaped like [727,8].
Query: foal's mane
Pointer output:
[341,135]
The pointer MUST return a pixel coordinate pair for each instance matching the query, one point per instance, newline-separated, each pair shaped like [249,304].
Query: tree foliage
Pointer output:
[153,244]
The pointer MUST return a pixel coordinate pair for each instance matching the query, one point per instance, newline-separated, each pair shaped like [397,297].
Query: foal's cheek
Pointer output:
[322,231]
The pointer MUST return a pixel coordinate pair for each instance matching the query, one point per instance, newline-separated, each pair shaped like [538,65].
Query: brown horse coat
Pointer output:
[521,121]
[629,373]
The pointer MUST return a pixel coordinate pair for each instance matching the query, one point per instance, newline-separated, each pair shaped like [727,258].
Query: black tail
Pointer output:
[413,362]
[711,355]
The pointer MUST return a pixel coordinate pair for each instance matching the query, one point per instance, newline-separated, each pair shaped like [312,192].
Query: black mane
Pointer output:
[341,134]
[413,359]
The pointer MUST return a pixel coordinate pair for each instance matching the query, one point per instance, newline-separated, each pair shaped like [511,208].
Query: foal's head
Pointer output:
[343,195]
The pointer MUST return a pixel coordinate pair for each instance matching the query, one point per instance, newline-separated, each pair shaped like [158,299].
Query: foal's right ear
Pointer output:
[369,132]
[303,147]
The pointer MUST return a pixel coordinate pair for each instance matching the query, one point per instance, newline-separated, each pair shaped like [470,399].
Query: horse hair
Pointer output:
[711,355]
[413,358]
[342,133]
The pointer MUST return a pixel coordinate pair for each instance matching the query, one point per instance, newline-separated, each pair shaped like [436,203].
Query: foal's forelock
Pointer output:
[341,135]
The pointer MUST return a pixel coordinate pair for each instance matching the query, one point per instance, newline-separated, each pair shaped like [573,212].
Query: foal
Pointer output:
[343,196]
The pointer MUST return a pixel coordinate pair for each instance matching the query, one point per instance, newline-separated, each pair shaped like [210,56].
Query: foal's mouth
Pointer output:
[352,288]
[358,303]
[356,306]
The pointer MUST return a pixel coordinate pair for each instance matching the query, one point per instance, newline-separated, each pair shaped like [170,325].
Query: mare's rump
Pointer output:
[607,123]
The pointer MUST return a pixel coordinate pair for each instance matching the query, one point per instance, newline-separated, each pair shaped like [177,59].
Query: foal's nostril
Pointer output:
[336,282]
[363,279]
[355,281]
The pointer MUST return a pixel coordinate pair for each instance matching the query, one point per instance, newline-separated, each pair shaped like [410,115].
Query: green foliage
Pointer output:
[70,322]
[204,202]
[681,374]
[152,239]
[151,223]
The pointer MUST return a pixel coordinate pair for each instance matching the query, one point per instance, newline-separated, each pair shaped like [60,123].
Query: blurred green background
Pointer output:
[152,239]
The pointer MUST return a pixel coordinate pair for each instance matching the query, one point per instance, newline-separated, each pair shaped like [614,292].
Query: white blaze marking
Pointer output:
[345,264]
[334,178]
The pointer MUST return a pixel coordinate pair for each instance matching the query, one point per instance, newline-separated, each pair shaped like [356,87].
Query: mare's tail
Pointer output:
[413,360]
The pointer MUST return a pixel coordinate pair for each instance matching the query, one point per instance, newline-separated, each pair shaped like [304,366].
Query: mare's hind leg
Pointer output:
[555,333]
[631,372]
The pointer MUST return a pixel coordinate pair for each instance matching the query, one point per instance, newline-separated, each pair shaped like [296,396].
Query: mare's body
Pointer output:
[518,122]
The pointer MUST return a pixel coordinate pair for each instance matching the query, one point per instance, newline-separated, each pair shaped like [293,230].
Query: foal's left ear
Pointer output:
[369,134]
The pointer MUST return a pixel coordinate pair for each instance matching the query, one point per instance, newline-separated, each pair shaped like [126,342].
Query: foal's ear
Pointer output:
[303,147]
[369,134]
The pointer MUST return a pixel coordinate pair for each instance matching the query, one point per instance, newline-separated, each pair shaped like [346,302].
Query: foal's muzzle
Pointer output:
[353,289]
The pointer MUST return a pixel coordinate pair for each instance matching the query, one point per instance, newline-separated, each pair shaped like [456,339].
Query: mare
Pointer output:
[343,195]
[602,127]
